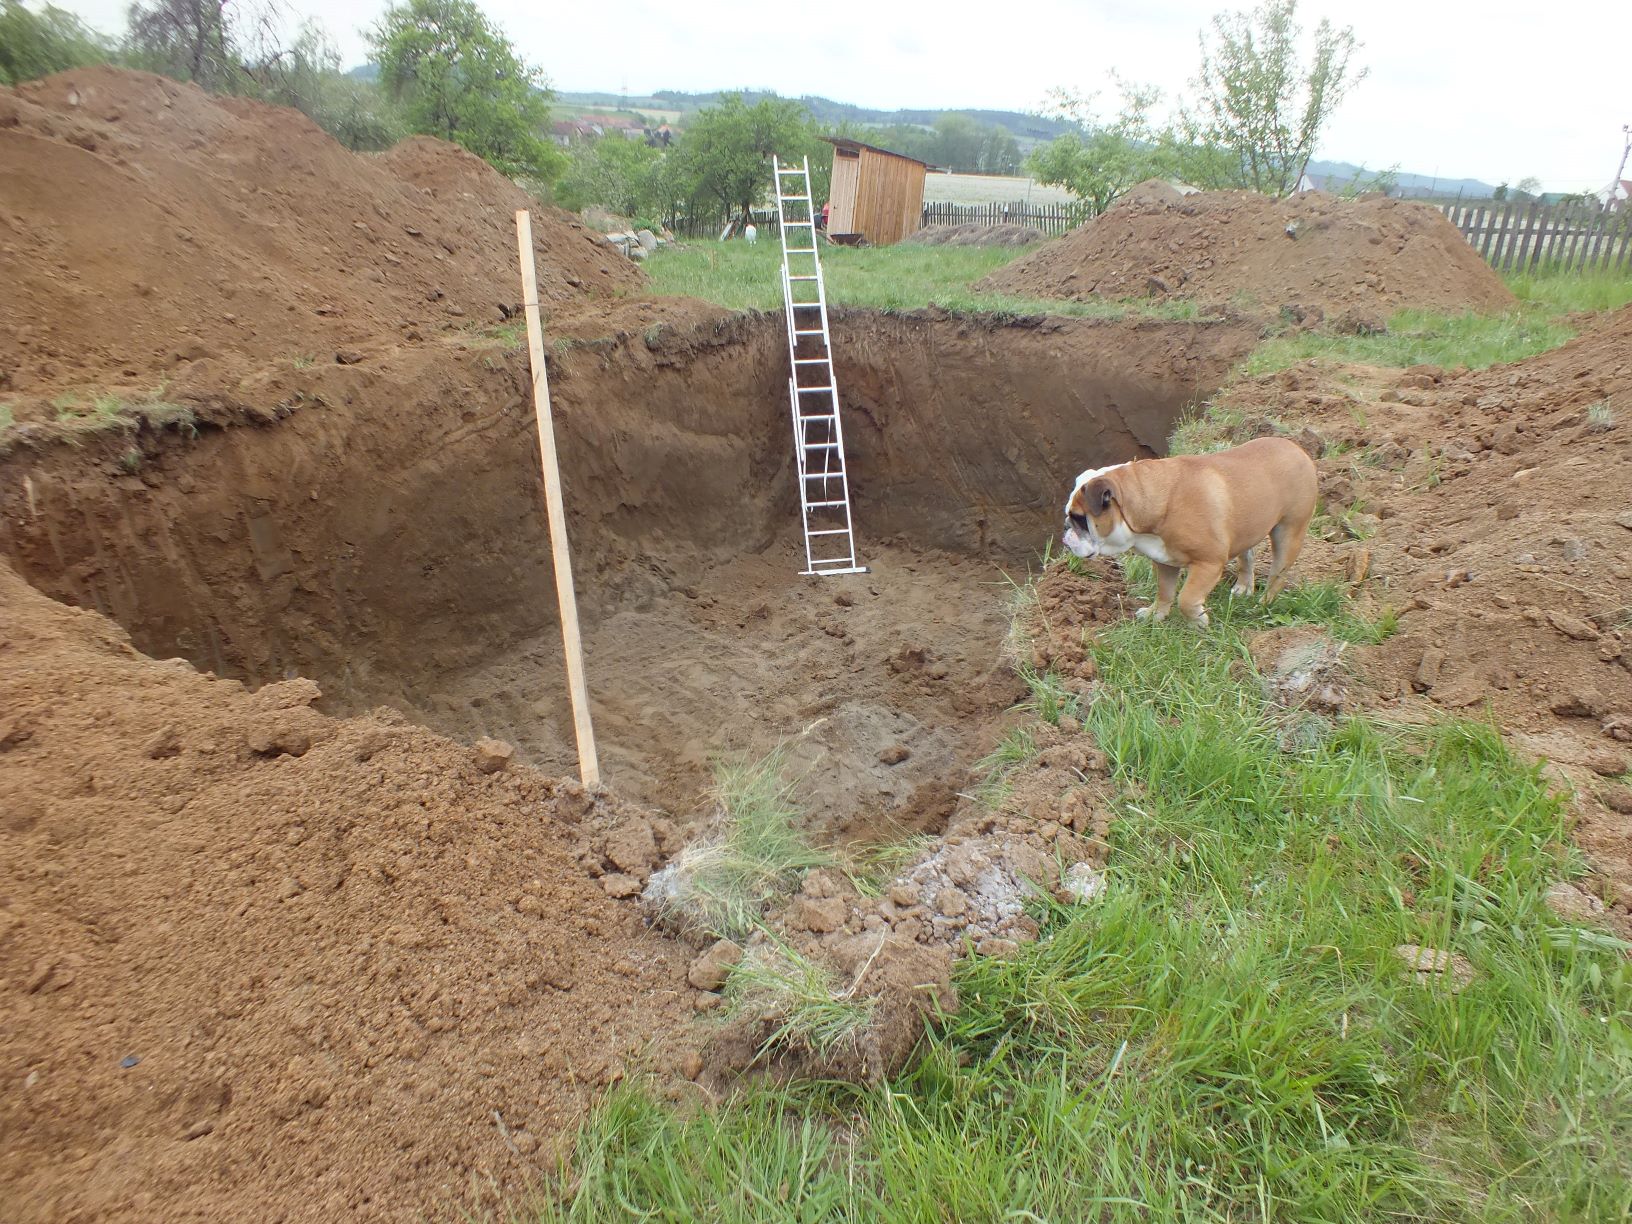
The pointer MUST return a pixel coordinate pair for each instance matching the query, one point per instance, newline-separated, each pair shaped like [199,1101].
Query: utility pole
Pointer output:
[1615,183]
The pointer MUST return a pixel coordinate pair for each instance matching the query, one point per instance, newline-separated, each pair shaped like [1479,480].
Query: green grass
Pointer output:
[1417,337]
[1227,1033]
[758,852]
[900,277]
[1425,338]
[809,1009]
[1561,292]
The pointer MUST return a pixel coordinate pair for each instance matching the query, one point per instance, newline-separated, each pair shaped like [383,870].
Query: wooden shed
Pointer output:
[876,194]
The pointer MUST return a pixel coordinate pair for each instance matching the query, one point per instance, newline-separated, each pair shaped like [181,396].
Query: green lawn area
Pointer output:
[908,277]
[1227,1033]
[900,277]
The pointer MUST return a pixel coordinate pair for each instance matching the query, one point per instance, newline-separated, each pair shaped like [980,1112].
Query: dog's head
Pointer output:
[1094,526]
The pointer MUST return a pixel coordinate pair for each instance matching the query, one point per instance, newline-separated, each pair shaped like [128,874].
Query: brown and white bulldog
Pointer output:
[1196,512]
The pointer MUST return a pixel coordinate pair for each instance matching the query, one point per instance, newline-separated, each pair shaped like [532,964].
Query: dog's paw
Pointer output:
[1200,620]
[1151,613]
[1241,589]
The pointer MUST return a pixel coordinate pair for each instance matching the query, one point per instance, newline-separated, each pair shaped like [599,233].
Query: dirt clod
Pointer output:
[492,755]
[709,971]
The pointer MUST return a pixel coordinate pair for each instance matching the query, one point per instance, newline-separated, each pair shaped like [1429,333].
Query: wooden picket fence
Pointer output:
[1050,218]
[1515,237]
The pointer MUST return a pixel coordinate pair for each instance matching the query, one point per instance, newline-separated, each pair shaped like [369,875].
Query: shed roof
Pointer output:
[855,146]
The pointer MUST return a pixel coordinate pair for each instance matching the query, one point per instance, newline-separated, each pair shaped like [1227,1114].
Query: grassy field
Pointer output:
[906,277]
[901,277]
[1227,1033]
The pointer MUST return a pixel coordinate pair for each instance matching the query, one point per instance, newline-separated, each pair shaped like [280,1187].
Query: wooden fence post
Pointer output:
[589,766]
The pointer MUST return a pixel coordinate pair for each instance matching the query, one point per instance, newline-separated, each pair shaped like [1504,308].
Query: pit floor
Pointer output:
[845,672]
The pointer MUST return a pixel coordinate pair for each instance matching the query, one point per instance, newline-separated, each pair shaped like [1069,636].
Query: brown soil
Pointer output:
[377,527]
[1491,511]
[261,240]
[1362,259]
[236,935]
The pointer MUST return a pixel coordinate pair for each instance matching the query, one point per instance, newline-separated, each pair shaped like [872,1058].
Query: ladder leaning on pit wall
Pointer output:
[813,391]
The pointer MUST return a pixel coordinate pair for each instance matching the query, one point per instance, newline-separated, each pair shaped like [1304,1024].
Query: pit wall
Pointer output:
[384,521]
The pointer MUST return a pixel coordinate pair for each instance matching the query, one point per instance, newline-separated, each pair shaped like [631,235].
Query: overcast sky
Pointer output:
[1498,90]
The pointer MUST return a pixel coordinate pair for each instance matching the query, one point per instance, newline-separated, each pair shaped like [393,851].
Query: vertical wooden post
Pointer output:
[589,768]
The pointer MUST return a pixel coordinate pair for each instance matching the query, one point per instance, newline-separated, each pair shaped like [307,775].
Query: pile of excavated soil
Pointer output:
[1312,252]
[1490,509]
[152,234]
[258,964]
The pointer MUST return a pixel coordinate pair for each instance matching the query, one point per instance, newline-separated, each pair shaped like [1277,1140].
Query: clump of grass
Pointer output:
[801,998]
[1601,416]
[758,852]
[8,416]
[1017,748]
[303,361]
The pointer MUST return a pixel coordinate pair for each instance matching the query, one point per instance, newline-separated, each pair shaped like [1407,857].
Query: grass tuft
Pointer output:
[802,999]
[758,853]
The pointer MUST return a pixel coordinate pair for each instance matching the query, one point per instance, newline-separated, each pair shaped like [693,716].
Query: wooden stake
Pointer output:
[589,768]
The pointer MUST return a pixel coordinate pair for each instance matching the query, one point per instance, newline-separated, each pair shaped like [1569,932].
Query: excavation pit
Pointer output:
[383,536]
[360,935]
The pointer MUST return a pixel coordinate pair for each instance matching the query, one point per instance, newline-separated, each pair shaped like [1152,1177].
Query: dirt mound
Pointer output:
[1152,191]
[1490,509]
[236,935]
[1311,251]
[156,232]
[976,234]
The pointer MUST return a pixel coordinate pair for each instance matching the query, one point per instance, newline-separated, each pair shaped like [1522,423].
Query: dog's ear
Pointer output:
[1099,495]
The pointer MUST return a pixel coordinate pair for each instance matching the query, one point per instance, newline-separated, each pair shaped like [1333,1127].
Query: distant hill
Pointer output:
[1025,128]
[1028,129]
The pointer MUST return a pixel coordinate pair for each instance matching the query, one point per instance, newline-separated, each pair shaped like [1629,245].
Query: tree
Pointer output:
[190,40]
[1258,104]
[456,76]
[307,77]
[1103,159]
[725,153]
[34,45]
[621,175]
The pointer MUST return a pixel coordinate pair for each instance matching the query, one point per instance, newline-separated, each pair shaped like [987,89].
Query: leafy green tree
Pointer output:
[1105,158]
[307,76]
[456,76]
[724,154]
[36,44]
[621,175]
[1258,103]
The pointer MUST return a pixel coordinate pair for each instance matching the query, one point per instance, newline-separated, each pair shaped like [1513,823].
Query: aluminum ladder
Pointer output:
[813,391]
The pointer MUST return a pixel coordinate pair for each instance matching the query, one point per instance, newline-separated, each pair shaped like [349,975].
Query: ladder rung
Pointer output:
[804,199]
[808,390]
[793,278]
[824,475]
[807,332]
[821,504]
[800,250]
[821,446]
[810,361]
[830,531]
[805,305]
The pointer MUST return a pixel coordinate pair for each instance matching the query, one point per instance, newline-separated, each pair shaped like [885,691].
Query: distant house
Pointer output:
[876,194]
